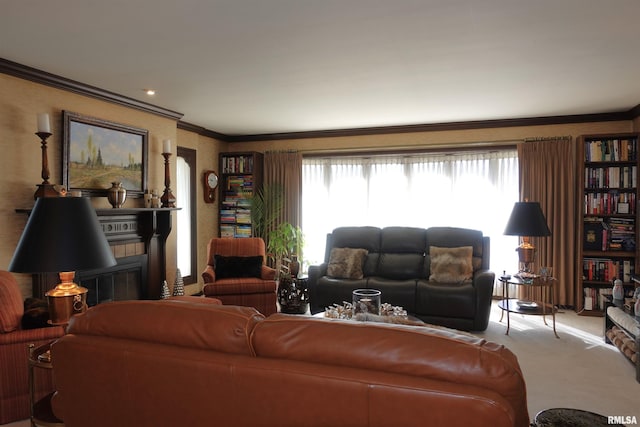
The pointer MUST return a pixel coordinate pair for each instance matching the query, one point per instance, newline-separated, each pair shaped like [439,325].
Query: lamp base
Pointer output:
[66,299]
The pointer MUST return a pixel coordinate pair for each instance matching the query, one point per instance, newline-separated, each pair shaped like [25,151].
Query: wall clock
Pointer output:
[210,183]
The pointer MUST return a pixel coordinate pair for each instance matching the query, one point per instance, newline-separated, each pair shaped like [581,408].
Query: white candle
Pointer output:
[166,146]
[43,123]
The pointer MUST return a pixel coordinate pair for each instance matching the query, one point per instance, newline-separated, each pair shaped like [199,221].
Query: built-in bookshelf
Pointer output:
[607,250]
[240,176]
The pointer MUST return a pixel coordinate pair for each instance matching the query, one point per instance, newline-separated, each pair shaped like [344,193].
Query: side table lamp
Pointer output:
[527,220]
[62,235]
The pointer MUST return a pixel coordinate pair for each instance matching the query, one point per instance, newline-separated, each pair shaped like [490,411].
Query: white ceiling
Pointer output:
[270,66]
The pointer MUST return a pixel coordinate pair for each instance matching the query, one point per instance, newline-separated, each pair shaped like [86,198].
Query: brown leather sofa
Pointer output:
[184,363]
[399,263]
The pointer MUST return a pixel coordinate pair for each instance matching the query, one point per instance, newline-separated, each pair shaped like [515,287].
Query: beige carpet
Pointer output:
[578,370]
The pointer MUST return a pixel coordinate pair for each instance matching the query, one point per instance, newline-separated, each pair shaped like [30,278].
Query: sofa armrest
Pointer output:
[209,275]
[314,273]
[483,281]
[268,273]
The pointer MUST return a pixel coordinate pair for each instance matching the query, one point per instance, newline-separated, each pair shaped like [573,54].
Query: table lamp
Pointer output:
[62,235]
[527,220]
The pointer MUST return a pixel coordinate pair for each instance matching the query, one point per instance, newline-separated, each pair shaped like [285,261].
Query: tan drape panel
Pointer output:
[284,169]
[547,176]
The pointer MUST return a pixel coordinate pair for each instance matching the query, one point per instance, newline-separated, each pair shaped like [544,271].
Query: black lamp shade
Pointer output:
[527,219]
[62,234]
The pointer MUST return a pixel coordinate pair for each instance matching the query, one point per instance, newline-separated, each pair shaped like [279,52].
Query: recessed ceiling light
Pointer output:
[150,92]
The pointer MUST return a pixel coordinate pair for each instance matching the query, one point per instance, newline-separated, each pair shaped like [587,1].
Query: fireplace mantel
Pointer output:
[137,237]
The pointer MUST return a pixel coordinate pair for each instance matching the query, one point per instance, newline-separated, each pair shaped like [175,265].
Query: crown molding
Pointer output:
[48,79]
[42,77]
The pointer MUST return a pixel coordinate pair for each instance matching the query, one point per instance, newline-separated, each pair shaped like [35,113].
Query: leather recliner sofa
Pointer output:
[398,263]
[184,363]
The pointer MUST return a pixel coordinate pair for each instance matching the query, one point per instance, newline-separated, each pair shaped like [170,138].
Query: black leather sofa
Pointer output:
[398,262]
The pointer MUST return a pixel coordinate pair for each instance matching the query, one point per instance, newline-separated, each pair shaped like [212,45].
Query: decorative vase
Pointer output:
[366,301]
[294,266]
[117,194]
[293,295]
[618,290]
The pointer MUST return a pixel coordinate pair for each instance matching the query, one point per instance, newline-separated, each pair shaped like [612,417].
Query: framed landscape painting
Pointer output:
[96,153]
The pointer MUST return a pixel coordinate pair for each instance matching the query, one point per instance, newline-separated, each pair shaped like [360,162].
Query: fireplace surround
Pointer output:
[137,237]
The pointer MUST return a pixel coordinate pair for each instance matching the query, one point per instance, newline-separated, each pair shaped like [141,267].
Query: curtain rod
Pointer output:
[548,138]
[419,147]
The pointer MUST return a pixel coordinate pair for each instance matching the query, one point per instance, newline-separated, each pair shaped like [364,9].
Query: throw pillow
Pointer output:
[36,313]
[346,263]
[451,265]
[237,266]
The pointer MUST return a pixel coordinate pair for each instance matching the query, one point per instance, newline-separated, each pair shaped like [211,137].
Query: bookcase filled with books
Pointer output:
[609,218]
[240,177]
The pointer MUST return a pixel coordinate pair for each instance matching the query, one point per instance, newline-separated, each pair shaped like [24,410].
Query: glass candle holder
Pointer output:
[366,301]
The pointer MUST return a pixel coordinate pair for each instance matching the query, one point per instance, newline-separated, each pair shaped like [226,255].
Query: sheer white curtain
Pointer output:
[472,190]
[183,199]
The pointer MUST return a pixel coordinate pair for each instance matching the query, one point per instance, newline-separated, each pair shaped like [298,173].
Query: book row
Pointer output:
[611,150]
[606,269]
[235,230]
[611,177]
[239,216]
[239,183]
[610,203]
[237,164]
[594,298]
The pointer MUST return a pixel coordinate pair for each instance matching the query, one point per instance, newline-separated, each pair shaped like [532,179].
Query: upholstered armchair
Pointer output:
[14,354]
[236,274]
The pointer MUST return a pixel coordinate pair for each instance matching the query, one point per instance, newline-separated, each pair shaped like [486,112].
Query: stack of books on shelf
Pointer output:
[240,183]
[227,230]
[612,234]
[243,231]
[237,164]
[611,150]
[243,216]
[622,234]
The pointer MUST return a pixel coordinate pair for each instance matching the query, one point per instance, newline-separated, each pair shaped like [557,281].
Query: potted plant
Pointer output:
[285,242]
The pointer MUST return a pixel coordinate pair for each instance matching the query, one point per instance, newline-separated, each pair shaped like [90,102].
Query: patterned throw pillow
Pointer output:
[346,263]
[451,265]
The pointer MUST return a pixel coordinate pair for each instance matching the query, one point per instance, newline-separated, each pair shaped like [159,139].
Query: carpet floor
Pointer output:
[577,370]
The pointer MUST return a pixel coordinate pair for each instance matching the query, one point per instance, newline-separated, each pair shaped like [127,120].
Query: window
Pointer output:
[472,190]
[186,216]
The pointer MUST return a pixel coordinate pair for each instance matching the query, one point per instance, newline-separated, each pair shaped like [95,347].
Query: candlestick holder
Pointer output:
[168,199]
[45,189]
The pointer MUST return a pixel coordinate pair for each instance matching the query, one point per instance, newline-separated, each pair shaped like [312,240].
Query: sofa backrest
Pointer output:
[438,354]
[403,252]
[248,246]
[172,321]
